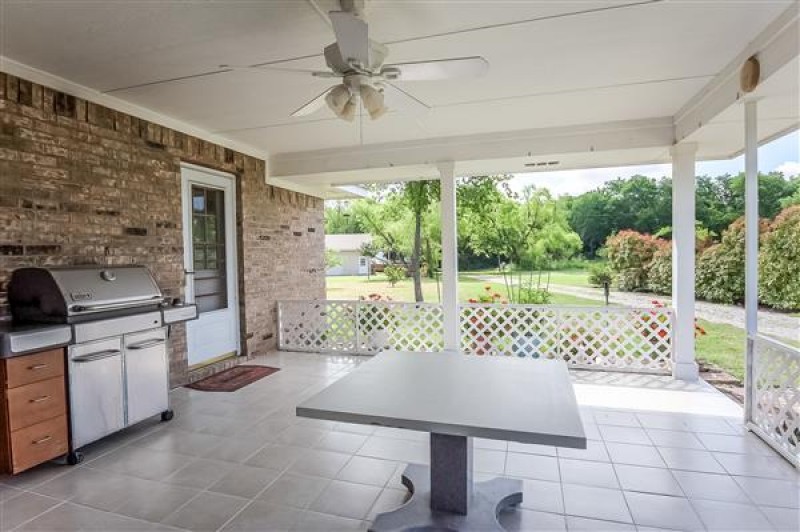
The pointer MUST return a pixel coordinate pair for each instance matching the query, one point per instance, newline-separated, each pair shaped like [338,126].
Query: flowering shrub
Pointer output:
[659,271]
[780,261]
[629,255]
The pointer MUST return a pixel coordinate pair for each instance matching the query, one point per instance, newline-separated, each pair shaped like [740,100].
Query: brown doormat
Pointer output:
[232,379]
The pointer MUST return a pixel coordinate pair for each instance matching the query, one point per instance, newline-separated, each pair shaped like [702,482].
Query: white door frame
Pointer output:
[227,183]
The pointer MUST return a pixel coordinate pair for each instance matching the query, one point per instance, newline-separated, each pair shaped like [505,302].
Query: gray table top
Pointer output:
[503,398]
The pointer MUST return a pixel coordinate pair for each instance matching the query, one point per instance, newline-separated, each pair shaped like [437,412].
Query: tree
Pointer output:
[780,261]
[418,195]
[340,219]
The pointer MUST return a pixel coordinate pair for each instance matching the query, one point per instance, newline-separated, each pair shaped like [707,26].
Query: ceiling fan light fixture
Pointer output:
[337,99]
[349,111]
[373,101]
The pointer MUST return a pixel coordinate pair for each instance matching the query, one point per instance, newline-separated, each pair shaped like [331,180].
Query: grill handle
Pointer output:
[146,343]
[111,306]
[97,356]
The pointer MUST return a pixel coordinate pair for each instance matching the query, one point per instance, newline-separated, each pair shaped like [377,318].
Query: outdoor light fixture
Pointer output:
[373,101]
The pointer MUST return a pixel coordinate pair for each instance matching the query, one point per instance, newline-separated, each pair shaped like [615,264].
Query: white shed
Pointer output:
[348,248]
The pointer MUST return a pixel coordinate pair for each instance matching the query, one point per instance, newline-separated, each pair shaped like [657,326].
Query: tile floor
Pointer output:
[244,461]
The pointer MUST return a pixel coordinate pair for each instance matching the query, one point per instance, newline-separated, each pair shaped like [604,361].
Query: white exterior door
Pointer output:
[209,238]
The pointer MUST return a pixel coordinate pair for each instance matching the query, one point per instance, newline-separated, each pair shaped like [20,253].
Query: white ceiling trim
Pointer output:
[15,68]
[774,47]
[655,132]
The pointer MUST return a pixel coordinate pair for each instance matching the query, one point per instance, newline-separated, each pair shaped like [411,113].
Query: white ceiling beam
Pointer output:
[531,143]
[774,47]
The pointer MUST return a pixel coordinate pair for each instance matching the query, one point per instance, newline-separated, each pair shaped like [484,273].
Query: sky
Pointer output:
[782,155]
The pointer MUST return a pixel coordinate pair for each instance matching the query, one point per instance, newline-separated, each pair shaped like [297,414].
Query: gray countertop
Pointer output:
[507,398]
[20,339]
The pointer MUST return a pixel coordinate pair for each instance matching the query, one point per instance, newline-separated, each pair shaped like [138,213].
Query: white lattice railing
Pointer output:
[618,338]
[773,396]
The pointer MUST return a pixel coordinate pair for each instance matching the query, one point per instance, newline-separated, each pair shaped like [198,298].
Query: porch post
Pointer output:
[684,366]
[452,329]
[751,240]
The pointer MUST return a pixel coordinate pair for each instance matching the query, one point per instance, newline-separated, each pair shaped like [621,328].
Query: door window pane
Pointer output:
[208,248]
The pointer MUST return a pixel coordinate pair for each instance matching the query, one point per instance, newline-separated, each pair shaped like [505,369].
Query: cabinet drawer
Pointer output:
[38,443]
[32,403]
[34,368]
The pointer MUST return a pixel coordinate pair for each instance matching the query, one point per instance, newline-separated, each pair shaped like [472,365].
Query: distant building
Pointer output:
[348,248]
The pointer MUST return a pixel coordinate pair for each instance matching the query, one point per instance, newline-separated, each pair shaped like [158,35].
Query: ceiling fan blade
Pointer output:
[398,99]
[456,68]
[352,36]
[270,68]
[313,106]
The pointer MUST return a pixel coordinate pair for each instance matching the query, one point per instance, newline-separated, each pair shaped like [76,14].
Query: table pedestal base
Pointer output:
[488,499]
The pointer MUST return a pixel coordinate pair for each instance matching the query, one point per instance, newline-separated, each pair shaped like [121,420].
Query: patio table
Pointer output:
[455,397]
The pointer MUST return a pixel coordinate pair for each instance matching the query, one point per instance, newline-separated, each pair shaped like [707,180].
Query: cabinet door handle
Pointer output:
[37,366]
[40,399]
[146,343]
[42,440]
[97,356]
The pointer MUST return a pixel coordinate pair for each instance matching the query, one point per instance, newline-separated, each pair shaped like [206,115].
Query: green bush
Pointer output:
[528,295]
[394,273]
[600,274]
[779,284]
[720,268]
[629,255]
[659,271]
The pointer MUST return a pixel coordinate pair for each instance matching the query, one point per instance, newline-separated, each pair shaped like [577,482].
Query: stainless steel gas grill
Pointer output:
[117,364]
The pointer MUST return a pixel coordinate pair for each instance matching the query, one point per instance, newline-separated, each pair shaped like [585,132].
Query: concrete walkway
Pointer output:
[770,323]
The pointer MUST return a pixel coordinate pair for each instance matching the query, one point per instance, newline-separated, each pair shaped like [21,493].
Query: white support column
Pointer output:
[751,239]
[684,366]
[452,322]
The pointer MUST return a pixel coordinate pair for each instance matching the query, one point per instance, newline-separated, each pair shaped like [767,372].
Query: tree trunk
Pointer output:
[416,252]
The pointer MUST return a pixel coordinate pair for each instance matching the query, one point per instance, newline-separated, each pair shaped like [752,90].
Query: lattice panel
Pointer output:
[415,327]
[318,326]
[775,396]
[607,338]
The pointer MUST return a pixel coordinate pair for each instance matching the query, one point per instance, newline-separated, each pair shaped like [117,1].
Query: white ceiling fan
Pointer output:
[359,62]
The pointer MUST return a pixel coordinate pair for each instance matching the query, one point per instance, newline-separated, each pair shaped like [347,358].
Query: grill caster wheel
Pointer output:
[166,415]
[74,458]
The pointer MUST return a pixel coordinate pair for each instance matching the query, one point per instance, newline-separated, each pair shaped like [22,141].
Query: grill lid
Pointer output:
[66,294]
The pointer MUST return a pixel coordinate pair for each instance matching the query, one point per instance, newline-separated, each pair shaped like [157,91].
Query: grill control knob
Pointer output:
[108,275]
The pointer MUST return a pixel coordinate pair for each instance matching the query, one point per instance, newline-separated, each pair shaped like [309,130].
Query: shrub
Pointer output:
[659,271]
[528,295]
[629,254]
[779,284]
[720,268]
[394,273]
[600,274]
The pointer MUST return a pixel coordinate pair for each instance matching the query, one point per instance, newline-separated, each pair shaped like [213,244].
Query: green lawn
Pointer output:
[353,287]
[723,346]
[570,277]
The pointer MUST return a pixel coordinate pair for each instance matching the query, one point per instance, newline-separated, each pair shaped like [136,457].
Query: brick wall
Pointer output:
[84,184]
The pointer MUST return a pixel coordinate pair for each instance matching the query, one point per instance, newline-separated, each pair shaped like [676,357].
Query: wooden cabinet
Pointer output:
[33,410]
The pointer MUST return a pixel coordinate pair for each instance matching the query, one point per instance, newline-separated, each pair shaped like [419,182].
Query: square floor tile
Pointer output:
[207,511]
[488,461]
[595,451]
[771,492]
[642,455]
[588,473]
[783,519]
[364,470]
[245,481]
[74,517]
[717,515]
[341,442]
[542,495]
[611,417]
[346,499]
[299,436]
[279,457]
[313,521]
[15,511]
[710,486]
[261,516]
[743,444]
[748,465]
[583,523]
[528,520]
[532,466]
[200,473]
[633,435]
[647,480]
[690,460]
[494,445]
[662,511]
[294,490]
[595,503]
[154,501]
[674,438]
[320,463]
